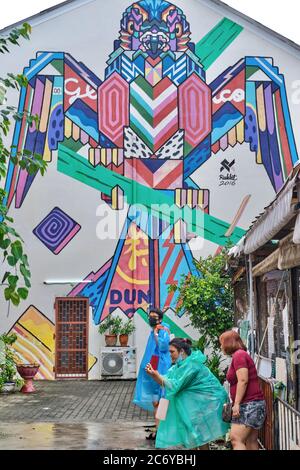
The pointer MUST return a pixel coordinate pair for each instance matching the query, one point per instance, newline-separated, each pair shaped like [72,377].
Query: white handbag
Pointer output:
[162,409]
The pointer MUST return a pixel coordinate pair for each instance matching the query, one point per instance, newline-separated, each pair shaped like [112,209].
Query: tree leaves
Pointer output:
[17,249]
[11,294]
[24,271]
[12,261]
[13,36]
[12,281]
[4,244]
[23,293]
[208,298]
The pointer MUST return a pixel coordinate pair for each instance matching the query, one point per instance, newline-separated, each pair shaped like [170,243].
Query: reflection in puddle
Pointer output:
[73,436]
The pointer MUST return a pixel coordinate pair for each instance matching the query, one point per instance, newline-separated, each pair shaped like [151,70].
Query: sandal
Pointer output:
[151,437]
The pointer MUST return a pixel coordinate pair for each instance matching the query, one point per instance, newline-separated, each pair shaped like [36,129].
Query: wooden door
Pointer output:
[71,338]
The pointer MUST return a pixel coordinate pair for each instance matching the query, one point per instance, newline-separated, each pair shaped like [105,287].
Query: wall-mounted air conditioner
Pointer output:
[118,363]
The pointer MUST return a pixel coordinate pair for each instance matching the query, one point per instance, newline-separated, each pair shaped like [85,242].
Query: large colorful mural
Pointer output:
[147,126]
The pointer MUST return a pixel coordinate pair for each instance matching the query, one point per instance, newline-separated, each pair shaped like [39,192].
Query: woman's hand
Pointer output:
[149,369]
[236,411]
[154,374]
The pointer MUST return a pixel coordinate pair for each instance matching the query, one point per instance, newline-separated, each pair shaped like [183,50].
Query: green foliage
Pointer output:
[127,328]
[8,370]
[16,280]
[214,360]
[214,364]
[13,37]
[9,339]
[208,298]
[115,326]
[111,326]
[208,301]
[201,343]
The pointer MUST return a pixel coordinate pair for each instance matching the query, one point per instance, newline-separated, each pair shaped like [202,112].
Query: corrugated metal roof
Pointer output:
[255,222]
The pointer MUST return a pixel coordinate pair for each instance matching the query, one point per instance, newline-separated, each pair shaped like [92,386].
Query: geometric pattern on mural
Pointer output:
[155,173]
[195,110]
[113,113]
[139,273]
[153,111]
[123,282]
[56,230]
[135,147]
[36,343]
[154,97]
[146,199]
[175,260]
[250,105]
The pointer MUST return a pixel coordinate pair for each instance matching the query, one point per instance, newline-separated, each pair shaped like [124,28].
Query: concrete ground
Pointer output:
[73,436]
[74,415]
[70,401]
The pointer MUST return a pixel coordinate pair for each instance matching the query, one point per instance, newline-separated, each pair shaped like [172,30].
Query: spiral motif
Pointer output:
[56,230]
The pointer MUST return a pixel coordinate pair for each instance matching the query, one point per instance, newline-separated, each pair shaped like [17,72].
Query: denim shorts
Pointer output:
[252,414]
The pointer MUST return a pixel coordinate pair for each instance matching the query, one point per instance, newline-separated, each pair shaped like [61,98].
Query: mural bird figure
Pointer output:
[141,133]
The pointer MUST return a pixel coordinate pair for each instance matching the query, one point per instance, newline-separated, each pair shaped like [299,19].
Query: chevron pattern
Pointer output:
[127,67]
[157,174]
[176,71]
[153,111]
[181,68]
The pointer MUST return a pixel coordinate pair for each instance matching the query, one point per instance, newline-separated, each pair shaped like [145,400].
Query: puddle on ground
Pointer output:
[74,436]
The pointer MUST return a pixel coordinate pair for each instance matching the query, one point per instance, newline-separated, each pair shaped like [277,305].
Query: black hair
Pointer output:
[182,343]
[158,311]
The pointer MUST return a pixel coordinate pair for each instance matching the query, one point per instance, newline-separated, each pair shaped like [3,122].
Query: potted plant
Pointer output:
[111,328]
[127,329]
[8,371]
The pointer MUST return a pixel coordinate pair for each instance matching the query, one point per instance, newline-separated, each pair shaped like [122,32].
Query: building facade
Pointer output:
[166,128]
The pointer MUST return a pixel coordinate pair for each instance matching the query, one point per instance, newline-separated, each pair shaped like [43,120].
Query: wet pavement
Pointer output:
[74,401]
[74,415]
[73,436]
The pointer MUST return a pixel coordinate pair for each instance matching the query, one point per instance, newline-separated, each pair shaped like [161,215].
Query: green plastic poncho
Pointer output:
[194,415]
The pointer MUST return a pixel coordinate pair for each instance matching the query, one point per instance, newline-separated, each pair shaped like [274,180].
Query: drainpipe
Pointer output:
[251,305]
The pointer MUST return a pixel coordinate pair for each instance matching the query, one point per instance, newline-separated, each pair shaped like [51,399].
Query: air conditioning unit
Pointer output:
[118,363]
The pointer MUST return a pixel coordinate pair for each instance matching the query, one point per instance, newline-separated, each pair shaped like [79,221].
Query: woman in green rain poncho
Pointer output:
[196,400]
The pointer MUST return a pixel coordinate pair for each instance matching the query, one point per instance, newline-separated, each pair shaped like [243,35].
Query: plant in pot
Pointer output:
[127,329]
[111,328]
[9,379]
